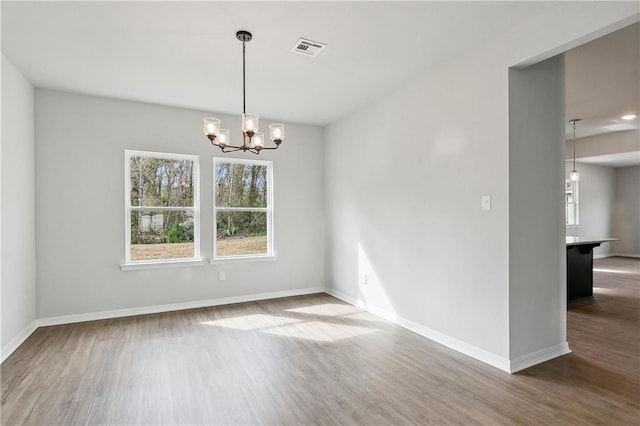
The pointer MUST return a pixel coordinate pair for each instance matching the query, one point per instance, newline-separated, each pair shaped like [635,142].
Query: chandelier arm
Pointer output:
[234,148]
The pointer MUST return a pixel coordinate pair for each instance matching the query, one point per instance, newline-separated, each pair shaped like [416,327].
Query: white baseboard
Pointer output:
[18,340]
[509,366]
[538,357]
[602,256]
[455,344]
[118,313]
[636,255]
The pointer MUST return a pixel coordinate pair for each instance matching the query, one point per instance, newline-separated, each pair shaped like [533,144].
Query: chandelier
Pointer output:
[574,175]
[252,137]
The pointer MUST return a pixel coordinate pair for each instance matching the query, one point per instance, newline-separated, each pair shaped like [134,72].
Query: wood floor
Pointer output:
[317,360]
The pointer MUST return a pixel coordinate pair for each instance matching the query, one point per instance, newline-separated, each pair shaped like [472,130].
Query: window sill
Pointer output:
[162,264]
[244,259]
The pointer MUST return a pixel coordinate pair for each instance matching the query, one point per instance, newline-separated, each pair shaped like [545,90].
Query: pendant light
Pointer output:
[252,137]
[574,175]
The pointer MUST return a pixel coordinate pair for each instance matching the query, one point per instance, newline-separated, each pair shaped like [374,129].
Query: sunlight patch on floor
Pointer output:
[251,322]
[612,271]
[366,316]
[326,309]
[316,330]
[321,331]
[604,290]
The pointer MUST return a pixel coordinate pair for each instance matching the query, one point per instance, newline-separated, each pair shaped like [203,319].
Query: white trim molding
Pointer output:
[268,210]
[244,259]
[118,313]
[635,255]
[602,256]
[194,209]
[538,357]
[136,266]
[10,347]
[450,342]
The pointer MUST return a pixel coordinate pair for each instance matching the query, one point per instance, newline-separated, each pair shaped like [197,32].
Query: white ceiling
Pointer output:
[185,54]
[603,83]
[620,159]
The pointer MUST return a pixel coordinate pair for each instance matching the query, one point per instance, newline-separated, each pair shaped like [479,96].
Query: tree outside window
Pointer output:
[243,208]
[162,211]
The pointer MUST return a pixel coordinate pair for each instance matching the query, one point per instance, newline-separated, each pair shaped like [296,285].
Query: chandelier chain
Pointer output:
[244,78]
[574,143]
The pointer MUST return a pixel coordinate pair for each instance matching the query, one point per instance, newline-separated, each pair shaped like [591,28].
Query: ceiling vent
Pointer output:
[308,48]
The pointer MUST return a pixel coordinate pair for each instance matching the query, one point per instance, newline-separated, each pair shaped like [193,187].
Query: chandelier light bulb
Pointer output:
[276,131]
[258,140]
[211,126]
[223,137]
[249,123]
[574,176]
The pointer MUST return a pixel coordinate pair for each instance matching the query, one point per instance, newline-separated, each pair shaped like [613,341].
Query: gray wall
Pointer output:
[403,206]
[596,191]
[80,216]
[18,249]
[537,259]
[626,217]
[404,180]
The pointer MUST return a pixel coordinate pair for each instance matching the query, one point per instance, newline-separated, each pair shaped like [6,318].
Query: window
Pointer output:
[571,202]
[243,208]
[162,214]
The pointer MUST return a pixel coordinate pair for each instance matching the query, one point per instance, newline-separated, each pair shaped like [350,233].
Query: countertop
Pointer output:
[575,241]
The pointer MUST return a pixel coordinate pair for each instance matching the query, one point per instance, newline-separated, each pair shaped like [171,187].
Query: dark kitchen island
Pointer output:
[580,266]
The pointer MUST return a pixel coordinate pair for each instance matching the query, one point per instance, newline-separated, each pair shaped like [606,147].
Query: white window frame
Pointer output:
[571,186]
[269,209]
[195,209]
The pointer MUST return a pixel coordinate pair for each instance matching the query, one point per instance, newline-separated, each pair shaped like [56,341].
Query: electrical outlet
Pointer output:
[364,279]
[485,203]
[222,276]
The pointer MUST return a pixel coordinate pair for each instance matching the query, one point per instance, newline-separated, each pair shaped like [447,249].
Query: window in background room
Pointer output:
[571,202]
[162,213]
[243,208]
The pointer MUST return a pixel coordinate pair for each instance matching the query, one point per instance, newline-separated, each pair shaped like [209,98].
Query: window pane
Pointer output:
[241,185]
[571,214]
[241,233]
[159,235]
[159,182]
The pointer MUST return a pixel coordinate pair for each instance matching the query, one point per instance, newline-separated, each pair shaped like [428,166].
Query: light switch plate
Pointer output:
[486,203]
